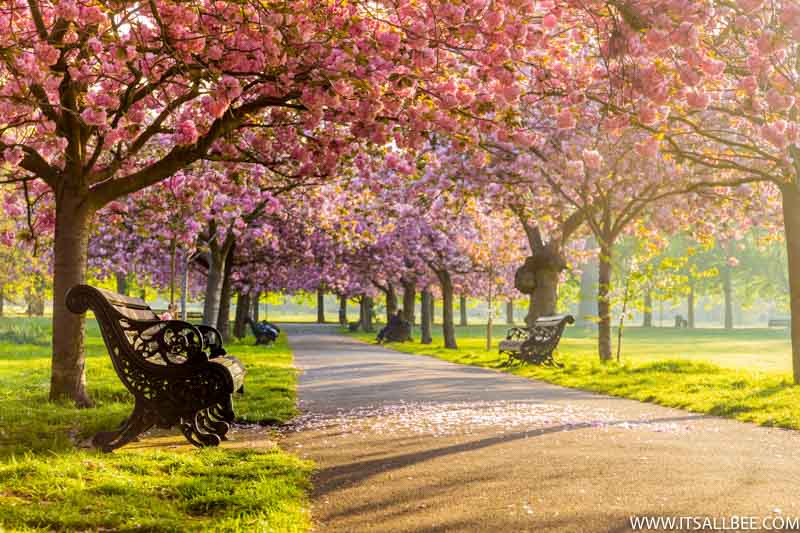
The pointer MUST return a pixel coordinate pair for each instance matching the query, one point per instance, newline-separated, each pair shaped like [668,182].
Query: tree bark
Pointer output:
[409,301]
[530,313]
[343,310]
[391,301]
[690,306]
[604,303]
[122,283]
[727,292]
[320,306]
[184,286]
[224,316]
[489,324]
[448,325]
[255,298]
[587,305]
[242,311]
[647,320]
[791,223]
[542,268]
[214,280]
[73,219]
[545,296]
[2,298]
[366,314]
[462,309]
[510,312]
[426,319]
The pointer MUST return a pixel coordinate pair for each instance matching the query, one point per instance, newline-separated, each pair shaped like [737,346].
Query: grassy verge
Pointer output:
[741,389]
[47,484]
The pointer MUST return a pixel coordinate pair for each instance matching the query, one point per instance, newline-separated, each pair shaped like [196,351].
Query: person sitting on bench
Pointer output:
[395,322]
[265,332]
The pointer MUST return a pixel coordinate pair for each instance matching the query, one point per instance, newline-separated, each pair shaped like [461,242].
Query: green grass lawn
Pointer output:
[48,484]
[744,374]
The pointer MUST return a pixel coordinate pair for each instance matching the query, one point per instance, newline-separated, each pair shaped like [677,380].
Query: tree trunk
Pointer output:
[256,308]
[462,309]
[214,280]
[489,324]
[391,301]
[448,325]
[320,306]
[530,313]
[510,312]
[587,305]
[791,223]
[604,303]
[432,305]
[242,311]
[224,316]
[2,297]
[545,296]
[366,314]
[727,291]
[690,306]
[73,219]
[343,310]
[647,320]
[122,283]
[426,319]
[184,286]
[409,302]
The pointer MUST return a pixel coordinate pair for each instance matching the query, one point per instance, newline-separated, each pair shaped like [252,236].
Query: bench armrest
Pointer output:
[517,334]
[173,338]
[212,339]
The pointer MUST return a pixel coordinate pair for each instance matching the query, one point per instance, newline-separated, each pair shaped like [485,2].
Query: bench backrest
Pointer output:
[127,306]
[137,340]
[546,332]
[555,320]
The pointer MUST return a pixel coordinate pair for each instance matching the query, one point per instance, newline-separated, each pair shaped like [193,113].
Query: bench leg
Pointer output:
[129,430]
[550,361]
[513,359]
[191,429]
[211,424]
[224,411]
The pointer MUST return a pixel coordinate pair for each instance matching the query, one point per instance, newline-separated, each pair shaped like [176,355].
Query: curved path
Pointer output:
[411,443]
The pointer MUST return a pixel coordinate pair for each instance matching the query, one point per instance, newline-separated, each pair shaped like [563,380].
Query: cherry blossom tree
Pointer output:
[100,101]
[715,84]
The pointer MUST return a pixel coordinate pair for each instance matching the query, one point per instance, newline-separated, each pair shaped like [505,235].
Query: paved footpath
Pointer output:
[414,444]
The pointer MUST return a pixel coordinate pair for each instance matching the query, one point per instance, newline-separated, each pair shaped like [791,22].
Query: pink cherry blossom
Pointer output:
[13,156]
[186,132]
[566,120]
[94,117]
[698,100]
[592,159]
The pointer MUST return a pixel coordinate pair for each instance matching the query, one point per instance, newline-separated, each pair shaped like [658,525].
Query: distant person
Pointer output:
[265,332]
[170,313]
[395,321]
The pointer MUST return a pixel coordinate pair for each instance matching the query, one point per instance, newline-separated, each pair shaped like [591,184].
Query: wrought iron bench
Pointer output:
[536,344]
[178,373]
